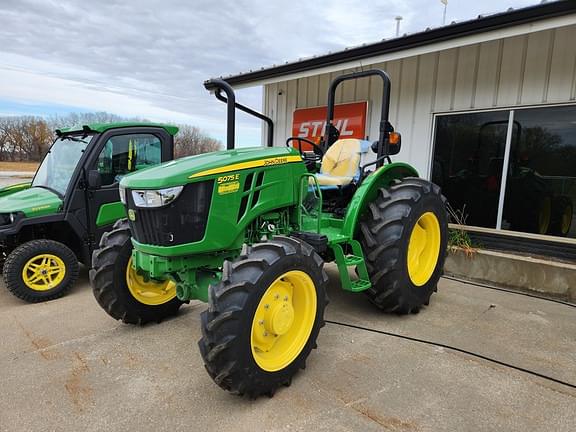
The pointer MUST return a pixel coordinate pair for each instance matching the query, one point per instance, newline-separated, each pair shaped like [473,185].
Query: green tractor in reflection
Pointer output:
[49,226]
[249,230]
[531,202]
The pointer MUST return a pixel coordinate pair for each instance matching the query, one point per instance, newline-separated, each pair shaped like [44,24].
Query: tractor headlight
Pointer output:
[155,198]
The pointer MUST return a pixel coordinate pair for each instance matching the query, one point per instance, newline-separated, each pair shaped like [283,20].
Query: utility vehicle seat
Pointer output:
[341,162]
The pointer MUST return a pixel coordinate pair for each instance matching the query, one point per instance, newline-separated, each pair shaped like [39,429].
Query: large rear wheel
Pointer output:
[264,317]
[404,237]
[561,220]
[122,291]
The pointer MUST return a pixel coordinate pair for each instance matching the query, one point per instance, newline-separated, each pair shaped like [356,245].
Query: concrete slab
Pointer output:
[67,366]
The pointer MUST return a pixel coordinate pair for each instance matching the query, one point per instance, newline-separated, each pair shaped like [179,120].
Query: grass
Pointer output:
[458,238]
[18,166]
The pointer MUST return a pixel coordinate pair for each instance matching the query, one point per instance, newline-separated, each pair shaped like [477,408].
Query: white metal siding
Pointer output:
[531,69]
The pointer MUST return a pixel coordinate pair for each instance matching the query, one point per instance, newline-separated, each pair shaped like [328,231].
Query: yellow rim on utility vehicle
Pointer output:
[423,249]
[43,272]
[283,321]
[151,293]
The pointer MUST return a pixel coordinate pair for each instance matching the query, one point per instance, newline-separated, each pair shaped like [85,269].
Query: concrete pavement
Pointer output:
[66,366]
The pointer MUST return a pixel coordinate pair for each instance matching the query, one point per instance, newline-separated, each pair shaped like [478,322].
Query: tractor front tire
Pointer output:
[40,270]
[121,292]
[264,316]
[403,235]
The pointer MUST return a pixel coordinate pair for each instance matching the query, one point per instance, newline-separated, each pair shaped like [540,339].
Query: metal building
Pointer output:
[486,108]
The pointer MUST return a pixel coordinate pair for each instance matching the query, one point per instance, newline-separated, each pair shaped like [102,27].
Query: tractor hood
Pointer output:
[192,168]
[32,202]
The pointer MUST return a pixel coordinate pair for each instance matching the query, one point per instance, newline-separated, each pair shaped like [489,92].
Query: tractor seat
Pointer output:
[341,162]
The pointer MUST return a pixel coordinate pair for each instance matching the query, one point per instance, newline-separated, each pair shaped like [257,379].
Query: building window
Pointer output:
[540,182]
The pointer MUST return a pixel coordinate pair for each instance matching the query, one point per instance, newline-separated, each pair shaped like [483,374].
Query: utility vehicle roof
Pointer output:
[102,127]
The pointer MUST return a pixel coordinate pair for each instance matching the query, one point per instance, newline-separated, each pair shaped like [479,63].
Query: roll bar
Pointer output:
[219,86]
[385,127]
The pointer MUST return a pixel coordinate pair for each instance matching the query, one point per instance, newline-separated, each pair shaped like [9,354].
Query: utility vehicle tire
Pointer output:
[562,213]
[40,270]
[404,238]
[264,316]
[3,256]
[120,290]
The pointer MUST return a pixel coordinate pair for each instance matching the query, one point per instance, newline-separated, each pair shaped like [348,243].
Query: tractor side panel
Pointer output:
[368,190]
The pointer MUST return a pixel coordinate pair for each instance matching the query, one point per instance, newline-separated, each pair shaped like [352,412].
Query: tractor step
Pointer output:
[353,260]
[360,285]
[345,261]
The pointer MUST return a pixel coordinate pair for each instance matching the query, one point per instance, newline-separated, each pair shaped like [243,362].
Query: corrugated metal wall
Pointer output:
[538,68]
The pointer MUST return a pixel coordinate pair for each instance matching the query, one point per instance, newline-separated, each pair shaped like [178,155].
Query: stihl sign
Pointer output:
[349,119]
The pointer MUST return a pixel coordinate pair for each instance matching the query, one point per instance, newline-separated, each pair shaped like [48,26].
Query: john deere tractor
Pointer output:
[51,224]
[249,230]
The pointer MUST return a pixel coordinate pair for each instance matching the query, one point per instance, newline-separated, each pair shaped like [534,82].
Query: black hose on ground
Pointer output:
[511,291]
[452,348]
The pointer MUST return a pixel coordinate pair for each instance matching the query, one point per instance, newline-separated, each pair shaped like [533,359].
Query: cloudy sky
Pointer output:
[149,58]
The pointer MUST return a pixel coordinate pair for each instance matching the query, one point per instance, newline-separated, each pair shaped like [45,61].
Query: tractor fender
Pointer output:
[368,190]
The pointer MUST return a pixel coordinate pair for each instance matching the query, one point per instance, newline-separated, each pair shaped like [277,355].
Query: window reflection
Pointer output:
[541,181]
[468,158]
[542,173]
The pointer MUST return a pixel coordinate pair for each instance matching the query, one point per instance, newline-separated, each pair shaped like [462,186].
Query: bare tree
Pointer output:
[190,140]
[26,138]
[23,138]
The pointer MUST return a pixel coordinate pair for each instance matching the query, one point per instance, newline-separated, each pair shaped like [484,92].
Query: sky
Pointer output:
[149,58]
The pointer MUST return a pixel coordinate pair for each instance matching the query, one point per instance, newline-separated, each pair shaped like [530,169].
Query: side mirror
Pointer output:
[394,143]
[94,179]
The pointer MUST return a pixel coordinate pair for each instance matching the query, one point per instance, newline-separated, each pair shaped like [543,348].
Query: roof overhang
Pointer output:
[483,29]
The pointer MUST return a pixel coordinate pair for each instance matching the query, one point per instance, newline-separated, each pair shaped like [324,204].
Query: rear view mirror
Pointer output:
[94,179]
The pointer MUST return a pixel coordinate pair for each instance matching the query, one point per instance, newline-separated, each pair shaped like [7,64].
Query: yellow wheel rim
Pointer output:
[151,293]
[566,219]
[283,321]
[544,216]
[43,272]
[423,249]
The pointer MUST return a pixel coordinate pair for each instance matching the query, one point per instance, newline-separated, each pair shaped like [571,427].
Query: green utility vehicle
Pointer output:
[249,230]
[51,224]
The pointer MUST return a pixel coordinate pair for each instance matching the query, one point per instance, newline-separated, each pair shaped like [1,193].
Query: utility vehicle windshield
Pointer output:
[58,166]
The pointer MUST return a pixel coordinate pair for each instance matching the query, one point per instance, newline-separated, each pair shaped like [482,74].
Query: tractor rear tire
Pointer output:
[109,279]
[404,236]
[40,270]
[264,316]
[562,213]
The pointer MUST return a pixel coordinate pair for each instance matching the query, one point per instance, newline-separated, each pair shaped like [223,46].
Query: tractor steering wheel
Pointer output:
[318,152]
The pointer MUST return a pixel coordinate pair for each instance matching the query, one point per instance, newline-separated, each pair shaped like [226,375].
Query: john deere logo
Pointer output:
[131,215]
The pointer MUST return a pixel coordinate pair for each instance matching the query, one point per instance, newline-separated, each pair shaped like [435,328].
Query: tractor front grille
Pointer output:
[180,222]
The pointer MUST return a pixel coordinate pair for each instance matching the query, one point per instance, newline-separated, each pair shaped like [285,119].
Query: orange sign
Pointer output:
[349,119]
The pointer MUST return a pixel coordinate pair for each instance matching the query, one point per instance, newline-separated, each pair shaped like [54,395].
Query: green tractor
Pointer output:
[50,225]
[249,230]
